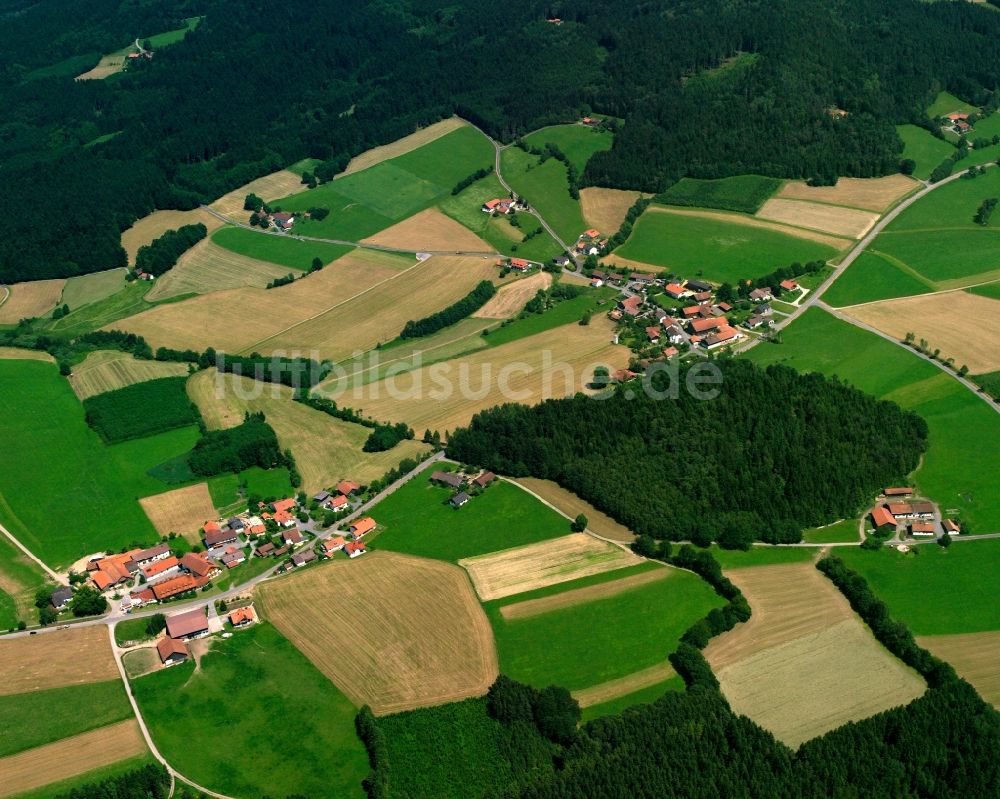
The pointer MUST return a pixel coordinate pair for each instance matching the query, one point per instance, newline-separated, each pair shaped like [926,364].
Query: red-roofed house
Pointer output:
[200,565]
[284,505]
[631,305]
[654,335]
[332,545]
[347,487]
[160,568]
[898,492]
[788,285]
[171,651]
[671,352]
[676,291]
[242,617]
[362,527]
[354,548]
[174,586]
[292,537]
[191,624]
[519,265]
[724,335]
[882,518]
[704,325]
[337,502]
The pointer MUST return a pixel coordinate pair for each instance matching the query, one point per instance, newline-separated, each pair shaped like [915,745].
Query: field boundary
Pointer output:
[630,683]
[578,596]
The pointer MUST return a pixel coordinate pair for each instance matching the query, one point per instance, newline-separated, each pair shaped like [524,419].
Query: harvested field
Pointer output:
[570,505]
[215,319]
[27,300]
[975,656]
[510,300]
[63,759]
[159,222]
[67,657]
[107,370]
[270,187]
[326,449]
[818,216]
[804,664]
[577,596]
[182,511]
[559,560]
[624,685]
[429,230]
[402,146]
[605,209]
[964,326]
[207,267]
[17,354]
[520,371]
[108,65]
[872,194]
[85,289]
[391,631]
[749,221]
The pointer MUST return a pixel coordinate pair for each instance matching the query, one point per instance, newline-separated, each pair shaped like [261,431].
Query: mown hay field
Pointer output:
[429,230]
[269,188]
[569,504]
[804,664]
[964,326]
[109,65]
[832,219]
[402,146]
[556,363]
[587,593]
[975,656]
[391,631]
[182,511]
[605,209]
[71,756]
[107,370]
[870,194]
[612,689]
[513,571]
[510,300]
[75,656]
[326,449]
[27,300]
[17,354]
[159,222]
[85,289]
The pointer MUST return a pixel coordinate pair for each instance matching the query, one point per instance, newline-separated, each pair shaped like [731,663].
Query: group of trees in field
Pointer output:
[707,90]
[455,312]
[162,253]
[774,453]
[141,409]
[772,280]
[252,443]
[985,211]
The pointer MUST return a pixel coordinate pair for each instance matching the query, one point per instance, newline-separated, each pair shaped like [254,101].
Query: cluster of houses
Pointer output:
[590,243]
[192,624]
[503,206]
[460,483]
[915,516]
[958,123]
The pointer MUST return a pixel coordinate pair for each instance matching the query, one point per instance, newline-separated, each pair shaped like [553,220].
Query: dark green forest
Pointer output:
[774,453]
[260,84]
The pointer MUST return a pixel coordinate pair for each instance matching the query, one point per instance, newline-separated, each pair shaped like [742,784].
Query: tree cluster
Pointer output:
[161,255]
[467,181]
[386,436]
[252,443]
[985,211]
[455,312]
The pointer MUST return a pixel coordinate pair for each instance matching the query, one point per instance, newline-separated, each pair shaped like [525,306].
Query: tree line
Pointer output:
[455,312]
[162,253]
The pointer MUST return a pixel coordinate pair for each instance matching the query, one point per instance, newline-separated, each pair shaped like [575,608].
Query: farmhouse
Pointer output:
[284,505]
[788,285]
[654,335]
[236,524]
[233,557]
[354,548]
[459,499]
[676,291]
[242,617]
[113,570]
[922,529]
[562,262]
[216,537]
[61,597]
[146,556]
[951,527]
[755,321]
[881,517]
[631,305]
[174,586]
[675,335]
[704,325]
[698,285]
[284,518]
[302,558]
[292,537]
[519,264]
[138,599]
[200,565]
[724,335]
[671,352]
[498,206]
[255,525]
[171,651]
[898,492]
[321,497]
[160,568]
[642,278]
[449,479]
[332,545]
[348,487]
[283,220]
[912,510]
[761,295]
[362,527]
[337,502]
[264,550]
[484,479]
[192,624]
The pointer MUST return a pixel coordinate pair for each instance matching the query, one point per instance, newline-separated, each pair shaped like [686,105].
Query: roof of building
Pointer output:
[448,478]
[159,566]
[241,616]
[189,623]
[362,526]
[292,536]
[951,526]
[789,285]
[335,543]
[284,505]
[61,596]
[303,557]
[704,325]
[170,647]
[691,310]
[922,527]
[211,527]
[216,537]
[338,501]
[882,517]
[347,486]
[923,507]
[518,262]
[898,492]
[653,333]
[198,563]
[174,586]
[485,479]
[900,508]
[460,498]
[670,352]
[153,552]
[354,546]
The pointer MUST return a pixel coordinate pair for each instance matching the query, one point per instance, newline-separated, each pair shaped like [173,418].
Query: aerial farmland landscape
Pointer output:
[448,400]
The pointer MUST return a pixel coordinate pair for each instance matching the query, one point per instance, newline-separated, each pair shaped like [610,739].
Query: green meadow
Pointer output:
[871,277]
[644,696]
[991,290]
[244,684]
[945,255]
[950,206]
[761,556]
[68,494]
[419,521]
[715,249]
[744,193]
[935,591]
[363,203]
[566,312]
[947,103]
[990,383]
[577,142]
[922,147]
[85,289]
[167,38]
[960,467]
[224,488]
[40,717]
[20,578]
[592,642]
[844,530]
[546,187]
[281,250]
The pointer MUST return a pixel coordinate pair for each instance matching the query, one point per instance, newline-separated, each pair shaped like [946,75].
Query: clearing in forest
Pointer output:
[69,757]
[151,227]
[514,571]
[963,326]
[818,216]
[391,631]
[429,230]
[182,511]
[605,209]
[405,145]
[804,664]
[975,656]
[571,505]
[870,194]
[269,187]
[28,300]
[107,370]
[68,657]
[510,300]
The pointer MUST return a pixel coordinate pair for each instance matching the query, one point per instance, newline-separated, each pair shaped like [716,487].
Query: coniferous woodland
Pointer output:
[774,453]
[705,88]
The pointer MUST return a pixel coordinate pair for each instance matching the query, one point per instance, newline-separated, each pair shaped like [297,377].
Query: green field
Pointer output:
[9,615]
[991,290]
[924,148]
[566,312]
[277,249]
[40,717]
[935,591]
[127,302]
[844,530]
[946,103]
[578,142]
[944,255]
[644,696]
[85,289]
[60,457]
[990,382]
[978,157]
[715,249]
[761,556]
[950,206]
[987,127]
[363,203]
[167,38]
[264,483]
[21,578]
[545,187]
[873,277]
[67,68]
[246,686]
[959,470]
[419,521]
[593,642]
[744,193]
[64,788]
